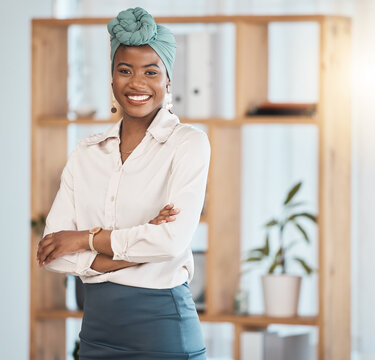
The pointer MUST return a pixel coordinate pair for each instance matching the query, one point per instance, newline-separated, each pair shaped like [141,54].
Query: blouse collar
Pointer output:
[160,128]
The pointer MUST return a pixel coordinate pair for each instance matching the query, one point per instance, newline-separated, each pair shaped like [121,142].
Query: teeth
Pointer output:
[138,98]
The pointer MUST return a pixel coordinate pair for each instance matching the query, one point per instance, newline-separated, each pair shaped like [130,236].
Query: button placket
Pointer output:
[111,198]
[119,170]
[110,203]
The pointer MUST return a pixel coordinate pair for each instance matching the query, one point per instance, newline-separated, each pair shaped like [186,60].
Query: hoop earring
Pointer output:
[113,109]
[168,99]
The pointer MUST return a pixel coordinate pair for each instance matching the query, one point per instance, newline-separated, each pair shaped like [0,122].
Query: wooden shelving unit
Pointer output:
[49,152]
[246,320]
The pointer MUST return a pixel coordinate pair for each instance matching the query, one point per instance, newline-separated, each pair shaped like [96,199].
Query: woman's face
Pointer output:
[139,81]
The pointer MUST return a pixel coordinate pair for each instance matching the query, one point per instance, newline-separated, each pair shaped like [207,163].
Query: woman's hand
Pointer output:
[165,215]
[61,243]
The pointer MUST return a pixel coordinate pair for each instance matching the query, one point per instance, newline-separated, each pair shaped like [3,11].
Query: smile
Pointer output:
[138,99]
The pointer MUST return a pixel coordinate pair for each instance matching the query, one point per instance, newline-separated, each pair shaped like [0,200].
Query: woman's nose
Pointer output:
[137,81]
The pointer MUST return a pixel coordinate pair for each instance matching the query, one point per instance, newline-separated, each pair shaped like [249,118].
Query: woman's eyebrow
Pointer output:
[129,65]
[126,64]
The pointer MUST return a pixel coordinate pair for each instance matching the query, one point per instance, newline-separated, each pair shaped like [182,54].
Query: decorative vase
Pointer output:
[281,294]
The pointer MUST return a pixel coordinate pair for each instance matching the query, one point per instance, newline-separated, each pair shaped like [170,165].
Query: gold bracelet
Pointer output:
[92,233]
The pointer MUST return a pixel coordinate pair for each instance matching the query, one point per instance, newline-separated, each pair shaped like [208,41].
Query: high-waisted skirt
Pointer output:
[127,322]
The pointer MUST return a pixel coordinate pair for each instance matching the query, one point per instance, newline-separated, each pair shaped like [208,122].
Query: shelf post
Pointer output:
[334,189]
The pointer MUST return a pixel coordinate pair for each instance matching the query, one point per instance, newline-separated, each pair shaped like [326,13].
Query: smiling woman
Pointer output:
[139,81]
[135,271]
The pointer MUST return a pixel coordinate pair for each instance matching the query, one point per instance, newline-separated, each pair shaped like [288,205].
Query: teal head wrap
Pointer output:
[135,27]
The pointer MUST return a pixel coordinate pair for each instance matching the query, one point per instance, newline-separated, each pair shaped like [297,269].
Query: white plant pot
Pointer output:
[281,294]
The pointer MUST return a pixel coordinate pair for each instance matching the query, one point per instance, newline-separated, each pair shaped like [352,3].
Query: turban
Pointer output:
[135,27]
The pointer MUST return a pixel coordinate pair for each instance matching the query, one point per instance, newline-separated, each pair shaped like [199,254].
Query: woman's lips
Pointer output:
[138,99]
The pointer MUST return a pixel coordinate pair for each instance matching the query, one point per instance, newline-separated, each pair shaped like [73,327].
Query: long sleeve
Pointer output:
[62,216]
[186,190]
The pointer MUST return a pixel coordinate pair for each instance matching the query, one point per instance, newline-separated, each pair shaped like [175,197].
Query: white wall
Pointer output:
[15,76]
[363,209]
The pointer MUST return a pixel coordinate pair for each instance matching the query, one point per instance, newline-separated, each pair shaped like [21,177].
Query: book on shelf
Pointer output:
[252,345]
[265,345]
[179,76]
[198,283]
[198,80]
[283,109]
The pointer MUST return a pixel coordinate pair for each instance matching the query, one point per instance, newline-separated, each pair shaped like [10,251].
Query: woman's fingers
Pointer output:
[160,219]
[45,252]
[163,219]
[165,210]
[46,241]
[166,214]
[52,256]
[168,210]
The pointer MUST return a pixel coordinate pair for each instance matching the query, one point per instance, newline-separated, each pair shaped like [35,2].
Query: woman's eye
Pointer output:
[124,71]
[151,73]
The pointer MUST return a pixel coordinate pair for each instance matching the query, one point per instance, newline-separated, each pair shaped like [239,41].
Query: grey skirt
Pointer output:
[127,322]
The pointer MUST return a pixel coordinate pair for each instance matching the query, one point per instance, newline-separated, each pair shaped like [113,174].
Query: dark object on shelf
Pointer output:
[198,284]
[283,109]
[79,293]
[75,351]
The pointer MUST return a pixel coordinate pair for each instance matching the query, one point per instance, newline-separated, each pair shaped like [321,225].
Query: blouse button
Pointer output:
[112,198]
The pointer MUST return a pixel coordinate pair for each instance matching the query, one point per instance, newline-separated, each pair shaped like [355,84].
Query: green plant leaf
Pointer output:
[292,192]
[303,214]
[309,216]
[254,258]
[306,267]
[274,265]
[278,254]
[261,251]
[299,203]
[303,232]
[271,223]
[257,250]
[267,245]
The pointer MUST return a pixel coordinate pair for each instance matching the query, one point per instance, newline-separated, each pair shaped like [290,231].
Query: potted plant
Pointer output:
[280,288]
[38,225]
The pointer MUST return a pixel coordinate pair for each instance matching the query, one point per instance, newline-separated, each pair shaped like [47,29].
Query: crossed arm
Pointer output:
[64,242]
[67,251]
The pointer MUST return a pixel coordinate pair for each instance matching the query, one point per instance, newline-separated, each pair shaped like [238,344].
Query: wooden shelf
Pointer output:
[59,314]
[64,121]
[245,320]
[295,120]
[260,320]
[222,260]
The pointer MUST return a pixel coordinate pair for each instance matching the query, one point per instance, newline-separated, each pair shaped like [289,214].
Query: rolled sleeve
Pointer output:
[62,216]
[78,264]
[186,190]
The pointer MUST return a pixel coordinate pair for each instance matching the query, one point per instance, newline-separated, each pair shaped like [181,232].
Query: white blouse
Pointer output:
[169,165]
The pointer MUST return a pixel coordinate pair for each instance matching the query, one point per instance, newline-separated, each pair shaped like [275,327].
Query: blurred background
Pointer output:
[280,156]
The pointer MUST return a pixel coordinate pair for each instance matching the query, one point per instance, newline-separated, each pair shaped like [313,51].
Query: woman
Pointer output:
[135,270]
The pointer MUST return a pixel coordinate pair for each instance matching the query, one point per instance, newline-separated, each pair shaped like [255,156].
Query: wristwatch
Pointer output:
[92,233]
